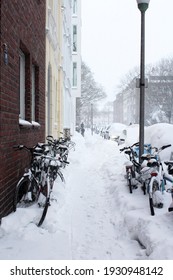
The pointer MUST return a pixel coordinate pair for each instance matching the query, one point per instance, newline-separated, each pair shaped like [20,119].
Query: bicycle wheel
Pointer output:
[47,204]
[144,188]
[130,185]
[154,195]
[46,193]
[151,206]
[26,193]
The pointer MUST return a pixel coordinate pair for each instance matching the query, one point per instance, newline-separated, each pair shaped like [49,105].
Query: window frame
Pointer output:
[33,92]
[22,89]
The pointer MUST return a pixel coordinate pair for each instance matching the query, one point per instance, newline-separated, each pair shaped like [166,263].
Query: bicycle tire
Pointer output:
[47,194]
[130,185]
[144,188]
[47,204]
[151,192]
[21,191]
[151,206]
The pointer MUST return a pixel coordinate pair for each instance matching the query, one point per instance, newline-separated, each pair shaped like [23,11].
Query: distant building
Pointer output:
[118,108]
[158,101]
[126,105]
[22,89]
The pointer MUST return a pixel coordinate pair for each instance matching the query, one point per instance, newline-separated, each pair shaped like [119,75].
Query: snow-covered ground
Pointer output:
[92,215]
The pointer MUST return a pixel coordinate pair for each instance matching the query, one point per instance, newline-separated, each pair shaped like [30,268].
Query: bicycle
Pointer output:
[60,148]
[26,191]
[169,178]
[131,166]
[36,184]
[51,171]
[153,177]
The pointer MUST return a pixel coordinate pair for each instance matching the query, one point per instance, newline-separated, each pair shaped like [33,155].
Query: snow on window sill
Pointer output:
[25,123]
[36,124]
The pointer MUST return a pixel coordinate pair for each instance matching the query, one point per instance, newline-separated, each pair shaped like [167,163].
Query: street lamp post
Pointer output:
[142,6]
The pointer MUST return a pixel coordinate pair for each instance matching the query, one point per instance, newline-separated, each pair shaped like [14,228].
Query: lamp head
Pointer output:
[143,5]
[143,1]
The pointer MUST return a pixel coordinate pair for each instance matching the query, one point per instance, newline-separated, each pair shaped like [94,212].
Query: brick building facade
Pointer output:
[22,89]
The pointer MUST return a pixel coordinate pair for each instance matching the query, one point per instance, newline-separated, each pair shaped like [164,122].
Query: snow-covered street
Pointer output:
[97,231]
[92,214]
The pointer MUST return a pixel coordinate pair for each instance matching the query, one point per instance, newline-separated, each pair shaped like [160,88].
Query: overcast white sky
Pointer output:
[111,37]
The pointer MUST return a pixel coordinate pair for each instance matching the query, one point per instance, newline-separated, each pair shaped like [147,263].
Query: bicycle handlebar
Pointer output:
[20,147]
[135,144]
[161,148]
[31,150]
[166,146]
[55,142]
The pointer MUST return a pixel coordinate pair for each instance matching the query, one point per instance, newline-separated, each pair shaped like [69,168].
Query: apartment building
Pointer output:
[76,58]
[22,89]
[158,101]
[53,69]
[63,64]
[71,56]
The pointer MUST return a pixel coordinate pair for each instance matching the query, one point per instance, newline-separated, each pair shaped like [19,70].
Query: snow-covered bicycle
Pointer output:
[131,166]
[153,177]
[36,184]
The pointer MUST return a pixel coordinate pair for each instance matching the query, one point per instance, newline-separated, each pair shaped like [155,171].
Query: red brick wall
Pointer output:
[22,26]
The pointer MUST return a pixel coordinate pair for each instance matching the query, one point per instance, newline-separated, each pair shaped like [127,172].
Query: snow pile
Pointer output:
[159,135]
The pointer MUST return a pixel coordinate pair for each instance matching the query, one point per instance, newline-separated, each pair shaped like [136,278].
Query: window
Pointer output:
[74,38]
[74,6]
[28,88]
[33,93]
[22,85]
[74,74]
[56,104]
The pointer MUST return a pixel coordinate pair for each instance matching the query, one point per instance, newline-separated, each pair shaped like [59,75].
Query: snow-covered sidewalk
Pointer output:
[92,215]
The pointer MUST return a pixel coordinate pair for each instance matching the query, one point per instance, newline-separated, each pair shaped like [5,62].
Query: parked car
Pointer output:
[117,132]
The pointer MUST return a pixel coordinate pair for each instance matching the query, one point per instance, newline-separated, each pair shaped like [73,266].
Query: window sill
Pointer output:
[35,124]
[26,124]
